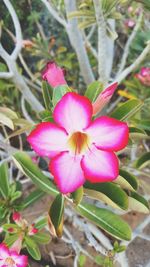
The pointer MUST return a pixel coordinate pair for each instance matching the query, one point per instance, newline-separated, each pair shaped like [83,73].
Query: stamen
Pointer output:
[78,142]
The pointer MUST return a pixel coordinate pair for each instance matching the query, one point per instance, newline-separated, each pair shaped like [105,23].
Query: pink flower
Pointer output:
[144,76]
[79,148]
[130,23]
[10,258]
[53,74]
[104,98]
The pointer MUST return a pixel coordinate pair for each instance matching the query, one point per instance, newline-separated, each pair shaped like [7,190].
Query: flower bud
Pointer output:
[53,74]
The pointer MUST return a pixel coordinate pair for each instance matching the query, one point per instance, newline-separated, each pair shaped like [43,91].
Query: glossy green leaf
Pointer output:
[143,161]
[31,198]
[138,203]
[41,223]
[106,220]
[93,90]
[108,193]
[127,180]
[47,94]
[41,238]
[77,195]
[7,226]
[32,248]
[26,165]
[58,92]
[56,213]
[143,124]
[134,131]
[4,183]
[127,109]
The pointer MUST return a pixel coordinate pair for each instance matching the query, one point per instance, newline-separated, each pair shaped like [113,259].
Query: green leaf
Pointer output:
[106,220]
[127,109]
[143,161]
[143,124]
[93,90]
[26,165]
[9,113]
[4,184]
[7,226]
[47,94]
[77,195]
[41,238]
[10,239]
[135,132]
[138,203]
[108,193]
[56,213]
[58,92]
[46,115]
[41,223]
[127,180]
[31,198]
[6,120]
[32,248]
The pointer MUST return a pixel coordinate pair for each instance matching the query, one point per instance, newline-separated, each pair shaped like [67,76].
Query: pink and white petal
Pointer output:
[108,133]
[47,139]
[100,166]
[73,112]
[67,172]
[4,251]
[21,260]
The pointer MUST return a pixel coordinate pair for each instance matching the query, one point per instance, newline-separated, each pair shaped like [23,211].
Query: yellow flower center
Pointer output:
[79,142]
[9,262]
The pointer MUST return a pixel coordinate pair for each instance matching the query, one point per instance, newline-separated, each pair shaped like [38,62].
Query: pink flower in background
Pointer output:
[53,74]
[103,98]
[144,76]
[129,23]
[10,258]
[78,147]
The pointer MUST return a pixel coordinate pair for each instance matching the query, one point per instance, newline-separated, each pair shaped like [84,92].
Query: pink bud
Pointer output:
[130,9]
[104,98]
[11,230]
[129,23]
[144,76]
[16,217]
[33,230]
[53,74]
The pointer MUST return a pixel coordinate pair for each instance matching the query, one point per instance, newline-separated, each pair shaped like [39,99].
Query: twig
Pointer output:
[102,52]
[128,44]
[54,13]
[13,14]
[136,63]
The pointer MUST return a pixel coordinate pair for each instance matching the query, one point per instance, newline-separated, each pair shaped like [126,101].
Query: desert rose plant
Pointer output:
[79,133]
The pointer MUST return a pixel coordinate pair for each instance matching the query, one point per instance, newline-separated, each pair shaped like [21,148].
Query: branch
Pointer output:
[6,75]
[128,44]
[102,37]
[13,14]
[77,42]
[133,66]
[54,13]
[88,45]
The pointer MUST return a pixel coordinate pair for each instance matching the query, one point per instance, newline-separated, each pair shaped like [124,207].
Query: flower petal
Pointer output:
[67,172]
[108,133]
[20,260]
[73,112]
[4,251]
[100,166]
[47,139]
